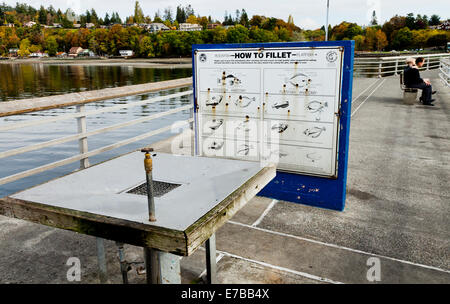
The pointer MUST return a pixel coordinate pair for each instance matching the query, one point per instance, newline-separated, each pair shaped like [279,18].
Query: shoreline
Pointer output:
[162,63]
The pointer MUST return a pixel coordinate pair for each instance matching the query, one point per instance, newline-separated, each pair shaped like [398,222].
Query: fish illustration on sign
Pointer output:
[215,124]
[245,126]
[316,106]
[229,80]
[214,101]
[298,80]
[314,132]
[280,104]
[280,127]
[244,101]
[278,153]
[313,156]
[244,149]
[216,146]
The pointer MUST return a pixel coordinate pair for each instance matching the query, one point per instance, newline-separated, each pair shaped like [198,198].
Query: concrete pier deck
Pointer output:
[397,211]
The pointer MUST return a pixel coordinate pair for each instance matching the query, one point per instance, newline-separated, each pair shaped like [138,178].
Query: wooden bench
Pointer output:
[409,94]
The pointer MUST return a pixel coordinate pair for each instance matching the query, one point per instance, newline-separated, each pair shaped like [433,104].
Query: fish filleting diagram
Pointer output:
[287,107]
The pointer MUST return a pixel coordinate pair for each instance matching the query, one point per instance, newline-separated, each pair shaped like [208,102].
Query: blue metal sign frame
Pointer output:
[316,191]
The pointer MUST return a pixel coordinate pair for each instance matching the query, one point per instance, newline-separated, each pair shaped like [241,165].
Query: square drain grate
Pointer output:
[159,188]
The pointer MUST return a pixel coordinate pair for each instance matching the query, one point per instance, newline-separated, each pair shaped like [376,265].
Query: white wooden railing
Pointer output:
[444,71]
[82,134]
[386,66]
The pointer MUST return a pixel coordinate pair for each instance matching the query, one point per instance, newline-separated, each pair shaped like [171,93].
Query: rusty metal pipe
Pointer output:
[148,164]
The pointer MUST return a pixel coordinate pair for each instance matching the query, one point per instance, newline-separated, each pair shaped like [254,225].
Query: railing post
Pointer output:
[379,69]
[396,66]
[428,63]
[82,142]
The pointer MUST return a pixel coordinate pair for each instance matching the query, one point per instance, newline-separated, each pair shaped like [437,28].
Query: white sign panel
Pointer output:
[272,104]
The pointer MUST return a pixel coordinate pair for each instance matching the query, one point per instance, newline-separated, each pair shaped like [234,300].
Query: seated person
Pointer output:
[412,80]
[411,62]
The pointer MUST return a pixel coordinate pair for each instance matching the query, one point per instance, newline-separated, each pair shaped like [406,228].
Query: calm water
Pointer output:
[19,81]
[92,77]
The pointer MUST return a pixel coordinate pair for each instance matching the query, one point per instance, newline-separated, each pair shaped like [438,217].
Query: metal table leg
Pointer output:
[101,257]
[124,266]
[211,267]
[162,267]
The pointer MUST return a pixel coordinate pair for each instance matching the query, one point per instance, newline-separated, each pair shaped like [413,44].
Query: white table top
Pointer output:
[101,189]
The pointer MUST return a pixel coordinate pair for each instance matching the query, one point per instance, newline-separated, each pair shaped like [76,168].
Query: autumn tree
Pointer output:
[192,19]
[380,40]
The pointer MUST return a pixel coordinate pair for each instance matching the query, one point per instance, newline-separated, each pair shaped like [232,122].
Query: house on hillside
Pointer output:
[29,24]
[57,25]
[10,25]
[75,51]
[90,25]
[213,25]
[156,27]
[190,27]
[13,52]
[86,53]
[77,25]
[444,25]
[126,53]
[38,55]
[61,54]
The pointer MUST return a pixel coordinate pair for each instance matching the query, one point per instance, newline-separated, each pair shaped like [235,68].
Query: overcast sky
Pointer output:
[308,14]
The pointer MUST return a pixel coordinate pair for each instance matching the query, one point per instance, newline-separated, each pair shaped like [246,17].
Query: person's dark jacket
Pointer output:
[411,76]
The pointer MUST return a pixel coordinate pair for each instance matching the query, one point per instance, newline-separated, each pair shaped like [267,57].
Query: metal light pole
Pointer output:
[326,25]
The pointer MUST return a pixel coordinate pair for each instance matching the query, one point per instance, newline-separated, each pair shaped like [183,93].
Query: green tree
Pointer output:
[260,35]
[410,21]
[244,18]
[180,15]
[146,47]
[219,35]
[434,20]
[237,34]
[42,15]
[94,17]
[138,14]
[51,45]
[359,42]
[24,47]
[403,39]
[168,16]
[438,40]
[106,20]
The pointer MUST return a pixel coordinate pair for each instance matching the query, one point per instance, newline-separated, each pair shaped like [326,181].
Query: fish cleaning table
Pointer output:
[194,197]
